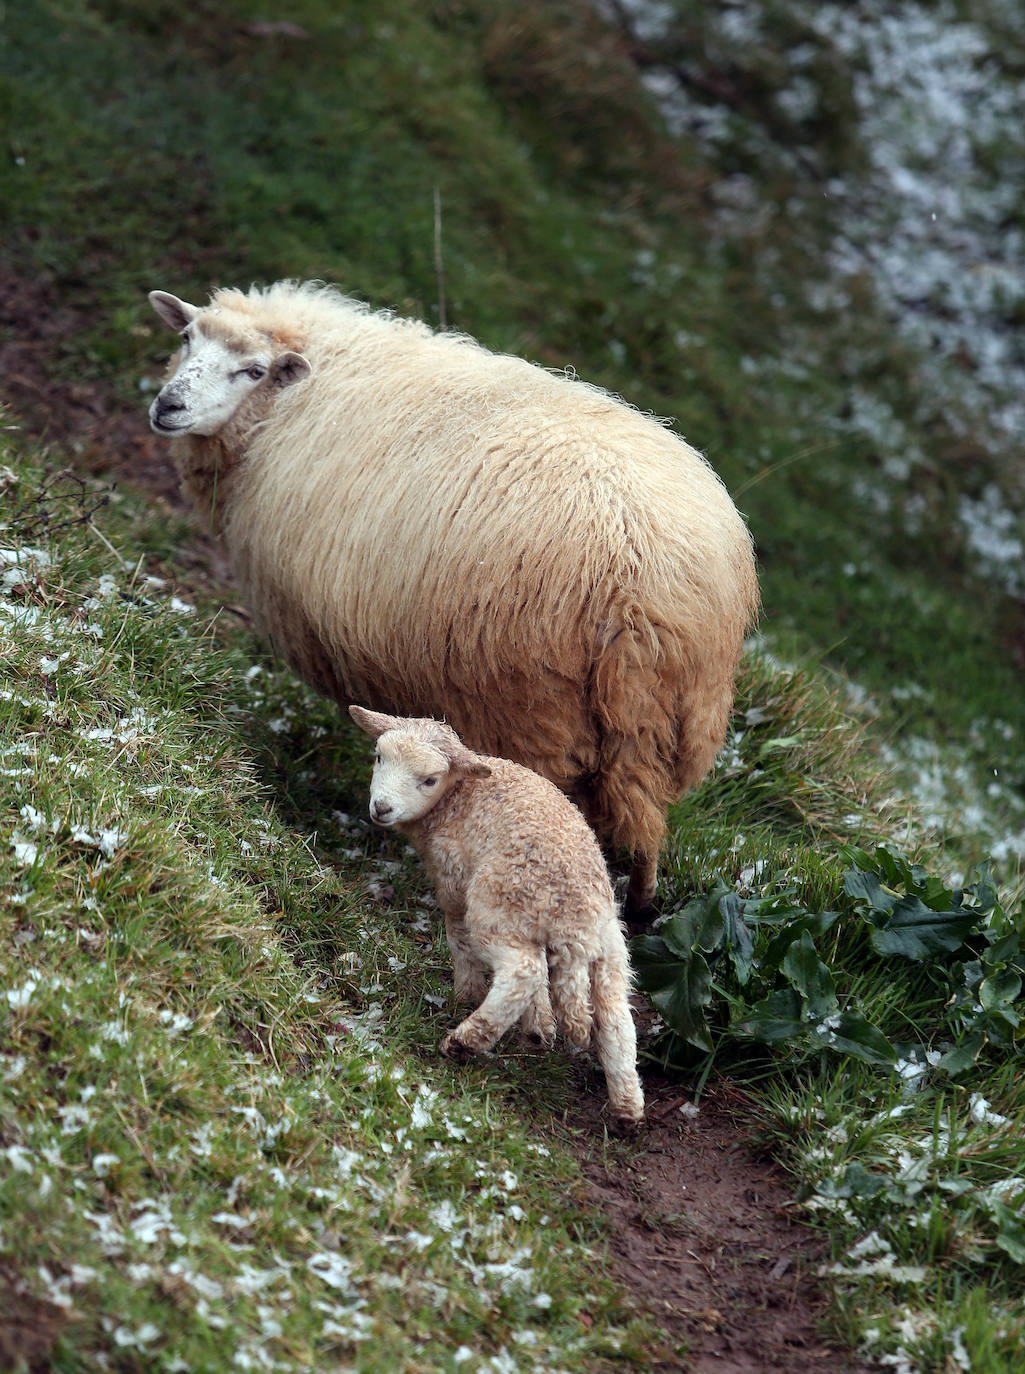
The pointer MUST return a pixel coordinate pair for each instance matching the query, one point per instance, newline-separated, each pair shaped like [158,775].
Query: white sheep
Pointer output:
[525,894]
[420,523]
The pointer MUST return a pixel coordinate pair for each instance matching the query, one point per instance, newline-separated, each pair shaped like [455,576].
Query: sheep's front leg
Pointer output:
[518,980]
[469,974]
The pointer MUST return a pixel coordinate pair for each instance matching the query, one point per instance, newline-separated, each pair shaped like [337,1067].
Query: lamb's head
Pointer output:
[223,360]
[417,762]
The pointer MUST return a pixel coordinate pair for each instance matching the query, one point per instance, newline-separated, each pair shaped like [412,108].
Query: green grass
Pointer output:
[219,1090]
[198,1001]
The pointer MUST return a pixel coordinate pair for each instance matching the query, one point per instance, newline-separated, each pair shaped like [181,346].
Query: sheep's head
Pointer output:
[417,763]
[219,369]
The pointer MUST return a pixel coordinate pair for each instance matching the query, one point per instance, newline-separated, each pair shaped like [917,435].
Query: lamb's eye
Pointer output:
[429,782]
[256,372]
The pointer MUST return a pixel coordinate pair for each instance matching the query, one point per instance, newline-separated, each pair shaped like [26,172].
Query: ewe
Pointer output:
[420,523]
[525,892]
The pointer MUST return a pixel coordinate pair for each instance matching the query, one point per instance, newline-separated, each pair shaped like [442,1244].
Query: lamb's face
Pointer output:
[217,371]
[410,777]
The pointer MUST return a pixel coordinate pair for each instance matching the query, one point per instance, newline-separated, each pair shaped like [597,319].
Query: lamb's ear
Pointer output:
[461,759]
[375,723]
[290,368]
[175,314]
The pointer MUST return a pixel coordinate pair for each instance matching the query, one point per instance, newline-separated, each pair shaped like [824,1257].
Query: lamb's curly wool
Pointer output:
[445,531]
[525,893]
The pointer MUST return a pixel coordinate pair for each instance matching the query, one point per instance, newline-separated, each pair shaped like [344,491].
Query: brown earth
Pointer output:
[703,1226]
[704,1233]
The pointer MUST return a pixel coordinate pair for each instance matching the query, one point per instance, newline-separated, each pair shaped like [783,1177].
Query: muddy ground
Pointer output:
[704,1231]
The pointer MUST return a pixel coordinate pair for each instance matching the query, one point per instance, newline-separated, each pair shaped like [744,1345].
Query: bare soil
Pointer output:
[703,1231]
[702,1223]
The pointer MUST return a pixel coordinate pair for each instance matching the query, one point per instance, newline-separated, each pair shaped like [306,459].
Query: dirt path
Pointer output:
[702,1223]
[705,1234]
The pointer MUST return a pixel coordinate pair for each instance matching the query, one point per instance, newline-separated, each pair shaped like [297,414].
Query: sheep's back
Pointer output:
[438,527]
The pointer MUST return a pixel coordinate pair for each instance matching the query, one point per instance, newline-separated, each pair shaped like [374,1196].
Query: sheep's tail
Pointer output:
[613,1036]
[659,719]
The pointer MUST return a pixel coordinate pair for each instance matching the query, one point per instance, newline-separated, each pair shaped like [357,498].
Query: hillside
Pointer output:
[793,229]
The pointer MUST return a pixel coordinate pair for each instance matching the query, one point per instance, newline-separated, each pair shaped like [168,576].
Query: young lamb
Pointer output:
[525,893]
[420,523]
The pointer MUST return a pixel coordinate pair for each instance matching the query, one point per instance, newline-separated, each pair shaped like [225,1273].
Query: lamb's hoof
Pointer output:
[540,1040]
[625,1127]
[454,1048]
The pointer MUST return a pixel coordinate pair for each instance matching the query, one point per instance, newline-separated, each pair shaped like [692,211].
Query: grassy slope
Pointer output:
[572,234]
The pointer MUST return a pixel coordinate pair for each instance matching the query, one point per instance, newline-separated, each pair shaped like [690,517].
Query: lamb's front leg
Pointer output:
[519,978]
[469,974]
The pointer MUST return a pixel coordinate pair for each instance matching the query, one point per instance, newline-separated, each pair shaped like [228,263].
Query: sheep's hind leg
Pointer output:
[640,907]
[519,976]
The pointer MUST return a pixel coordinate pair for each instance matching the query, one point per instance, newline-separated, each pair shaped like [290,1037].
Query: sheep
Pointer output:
[421,523]
[525,893]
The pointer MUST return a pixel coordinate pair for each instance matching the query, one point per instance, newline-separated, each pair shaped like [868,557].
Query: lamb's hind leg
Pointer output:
[538,1021]
[469,975]
[614,1038]
[519,977]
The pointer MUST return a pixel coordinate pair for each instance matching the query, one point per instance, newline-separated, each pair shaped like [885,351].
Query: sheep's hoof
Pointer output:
[540,1040]
[454,1048]
[640,916]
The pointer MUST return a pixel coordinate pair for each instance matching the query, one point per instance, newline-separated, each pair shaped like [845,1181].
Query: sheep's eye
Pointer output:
[377,757]
[256,372]
[429,782]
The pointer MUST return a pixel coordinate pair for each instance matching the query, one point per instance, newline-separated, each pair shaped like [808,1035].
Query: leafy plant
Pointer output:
[727,969]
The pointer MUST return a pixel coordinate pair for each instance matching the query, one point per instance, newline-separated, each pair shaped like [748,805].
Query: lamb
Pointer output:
[525,894]
[421,523]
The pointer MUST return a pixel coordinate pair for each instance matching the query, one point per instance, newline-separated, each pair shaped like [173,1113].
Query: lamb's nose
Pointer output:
[381,810]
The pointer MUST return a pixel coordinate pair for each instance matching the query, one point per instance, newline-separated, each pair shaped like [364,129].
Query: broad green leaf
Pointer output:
[856,1182]
[777,1017]
[680,988]
[816,923]
[811,978]
[861,1039]
[1002,951]
[964,1054]
[1010,1232]
[999,989]
[738,938]
[916,931]
[698,926]
[868,891]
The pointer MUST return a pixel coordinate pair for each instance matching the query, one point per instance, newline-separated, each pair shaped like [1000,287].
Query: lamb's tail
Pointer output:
[591,1000]
[570,986]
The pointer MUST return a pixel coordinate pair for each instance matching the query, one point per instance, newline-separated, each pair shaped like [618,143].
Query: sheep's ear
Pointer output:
[175,314]
[290,368]
[477,769]
[373,722]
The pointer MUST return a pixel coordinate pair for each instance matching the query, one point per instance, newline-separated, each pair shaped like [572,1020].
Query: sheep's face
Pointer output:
[217,372]
[410,776]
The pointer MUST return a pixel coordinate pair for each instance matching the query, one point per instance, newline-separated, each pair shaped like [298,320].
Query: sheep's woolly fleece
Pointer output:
[437,530]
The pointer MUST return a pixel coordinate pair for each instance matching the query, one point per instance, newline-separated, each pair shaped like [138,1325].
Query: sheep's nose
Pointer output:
[167,405]
[381,810]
